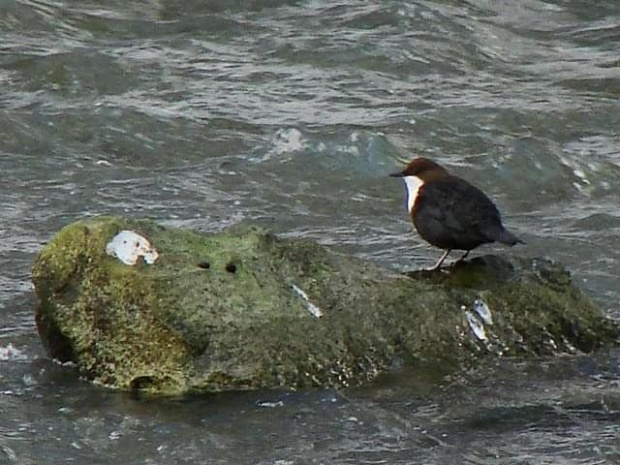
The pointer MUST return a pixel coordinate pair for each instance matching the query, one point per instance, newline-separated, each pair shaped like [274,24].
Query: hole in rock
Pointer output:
[142,382]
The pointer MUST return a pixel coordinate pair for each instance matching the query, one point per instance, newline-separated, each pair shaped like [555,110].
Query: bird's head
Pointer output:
[416,174]
[423,169]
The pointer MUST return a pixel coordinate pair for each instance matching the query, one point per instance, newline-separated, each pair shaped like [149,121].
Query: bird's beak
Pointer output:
[397,175]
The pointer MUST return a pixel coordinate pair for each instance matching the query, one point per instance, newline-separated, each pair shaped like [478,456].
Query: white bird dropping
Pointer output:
[483,311]
[128,246]
[313,309]
[476,326]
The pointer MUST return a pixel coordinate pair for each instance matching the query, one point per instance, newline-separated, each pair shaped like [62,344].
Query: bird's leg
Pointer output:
[463,257]
[440,261]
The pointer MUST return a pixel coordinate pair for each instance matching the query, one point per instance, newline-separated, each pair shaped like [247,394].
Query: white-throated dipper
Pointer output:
[450,213]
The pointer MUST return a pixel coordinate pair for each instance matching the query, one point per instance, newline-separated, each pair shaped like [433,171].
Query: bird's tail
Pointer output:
[506,237]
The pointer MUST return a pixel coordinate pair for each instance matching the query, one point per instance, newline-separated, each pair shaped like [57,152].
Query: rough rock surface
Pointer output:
[244,309]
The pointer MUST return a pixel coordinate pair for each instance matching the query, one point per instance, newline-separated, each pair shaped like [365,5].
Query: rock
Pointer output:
[244,309]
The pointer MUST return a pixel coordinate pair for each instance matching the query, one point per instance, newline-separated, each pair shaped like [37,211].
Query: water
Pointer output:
[290,114]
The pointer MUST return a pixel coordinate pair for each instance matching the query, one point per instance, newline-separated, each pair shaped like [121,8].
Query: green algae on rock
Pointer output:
[244,309]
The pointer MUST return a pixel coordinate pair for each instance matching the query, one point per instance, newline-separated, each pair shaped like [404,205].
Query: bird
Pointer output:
[450,213]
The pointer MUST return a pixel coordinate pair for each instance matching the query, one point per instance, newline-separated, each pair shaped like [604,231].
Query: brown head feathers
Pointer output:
[422,168]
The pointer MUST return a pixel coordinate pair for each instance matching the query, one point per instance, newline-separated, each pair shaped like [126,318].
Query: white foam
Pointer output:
[11,353]
[288,140]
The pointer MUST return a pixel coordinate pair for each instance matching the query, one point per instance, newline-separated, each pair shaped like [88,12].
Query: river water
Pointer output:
[290,114]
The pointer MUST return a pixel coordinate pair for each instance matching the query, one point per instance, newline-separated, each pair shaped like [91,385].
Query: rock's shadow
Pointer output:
[480,272]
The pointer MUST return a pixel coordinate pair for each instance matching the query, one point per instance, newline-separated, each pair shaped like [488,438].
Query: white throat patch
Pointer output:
[413,184]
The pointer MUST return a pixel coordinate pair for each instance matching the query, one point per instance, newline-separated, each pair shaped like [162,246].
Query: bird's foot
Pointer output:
[460,260]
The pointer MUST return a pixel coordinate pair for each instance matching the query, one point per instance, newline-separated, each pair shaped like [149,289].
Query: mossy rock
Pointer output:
[244,309]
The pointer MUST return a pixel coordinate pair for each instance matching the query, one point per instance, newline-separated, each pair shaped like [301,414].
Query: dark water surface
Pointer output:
[203,114]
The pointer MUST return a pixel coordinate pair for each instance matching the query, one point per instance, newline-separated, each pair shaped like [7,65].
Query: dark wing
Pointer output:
[453,214]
